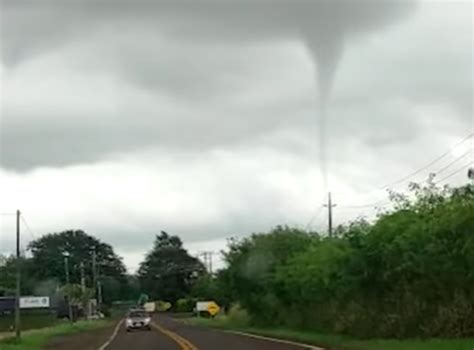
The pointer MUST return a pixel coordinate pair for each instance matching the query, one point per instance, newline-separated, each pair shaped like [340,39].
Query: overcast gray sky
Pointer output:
[203,118]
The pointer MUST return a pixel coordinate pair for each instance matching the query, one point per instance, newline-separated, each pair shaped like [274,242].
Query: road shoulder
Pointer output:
[87,340]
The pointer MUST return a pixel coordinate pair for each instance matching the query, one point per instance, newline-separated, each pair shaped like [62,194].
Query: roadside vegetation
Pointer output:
[44,274]
[407,275]
[43,271]
[36,339]
[29,320]
[334,341]
[403,281]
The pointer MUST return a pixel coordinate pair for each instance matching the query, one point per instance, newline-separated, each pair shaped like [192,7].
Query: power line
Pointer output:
[464,167]
[434,161]
[314,217]
[429,164]
[454,161]
[371,205]
[28,227]
[385,201]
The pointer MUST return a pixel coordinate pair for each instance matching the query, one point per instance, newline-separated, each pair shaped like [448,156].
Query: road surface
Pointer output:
[169,334]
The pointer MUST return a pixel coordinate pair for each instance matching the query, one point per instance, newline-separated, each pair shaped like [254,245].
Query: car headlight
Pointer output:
[147,320]
[129,322]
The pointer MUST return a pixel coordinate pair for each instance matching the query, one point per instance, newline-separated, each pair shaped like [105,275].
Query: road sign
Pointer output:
[208,306]
[34,302]
[213,308]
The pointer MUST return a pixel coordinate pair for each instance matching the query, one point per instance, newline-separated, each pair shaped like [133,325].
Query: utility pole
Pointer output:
[210,262]
[99,295]
[207,257]
[94,276]
[94,265]
[329,206]
[83,289]
[83,279]
[68,298]
[94,272]
[18,278]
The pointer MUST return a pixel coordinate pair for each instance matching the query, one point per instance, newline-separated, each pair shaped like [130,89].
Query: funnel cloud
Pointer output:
[324,27]
[213,119]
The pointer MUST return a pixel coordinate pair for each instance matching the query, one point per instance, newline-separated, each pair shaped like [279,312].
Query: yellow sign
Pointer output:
[213,308]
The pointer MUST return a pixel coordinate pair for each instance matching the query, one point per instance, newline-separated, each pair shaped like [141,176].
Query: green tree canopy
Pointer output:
[8,276]
[48,259]
[168,271]
[409,273]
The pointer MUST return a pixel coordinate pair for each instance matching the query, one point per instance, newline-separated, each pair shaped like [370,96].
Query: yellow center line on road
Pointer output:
[182,342]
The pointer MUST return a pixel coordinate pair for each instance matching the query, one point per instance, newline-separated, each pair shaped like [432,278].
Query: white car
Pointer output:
[138,319]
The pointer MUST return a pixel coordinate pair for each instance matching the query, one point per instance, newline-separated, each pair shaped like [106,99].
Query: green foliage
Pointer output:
[253,263]
[238,316]
[76,295]
[408,274]
[36,339]
[143,299]
[168,271]
[48,262]
[8,277]
[334,341]
[45,270]
[184,305]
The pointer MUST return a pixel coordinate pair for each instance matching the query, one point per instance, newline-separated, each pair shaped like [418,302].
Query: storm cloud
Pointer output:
[171,47]
[201,118]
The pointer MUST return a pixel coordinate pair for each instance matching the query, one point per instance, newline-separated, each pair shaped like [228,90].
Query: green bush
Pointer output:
[238,316]
[408,274]
[184,305]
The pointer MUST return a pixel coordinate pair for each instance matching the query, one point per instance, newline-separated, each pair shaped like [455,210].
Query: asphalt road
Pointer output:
[138,340]
[169,334]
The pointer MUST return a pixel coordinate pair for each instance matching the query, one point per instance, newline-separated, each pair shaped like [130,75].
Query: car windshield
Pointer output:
[137,314]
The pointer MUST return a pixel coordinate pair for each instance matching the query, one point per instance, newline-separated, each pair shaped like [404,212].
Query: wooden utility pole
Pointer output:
[95,281]
[329,206]
[99,295]
[83,278]
[207,257]
[94,272]
[18,278]
[210,262]
[83,290]
[68,297]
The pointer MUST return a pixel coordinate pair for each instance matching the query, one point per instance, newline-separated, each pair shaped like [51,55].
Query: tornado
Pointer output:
[326,35]
[323,26]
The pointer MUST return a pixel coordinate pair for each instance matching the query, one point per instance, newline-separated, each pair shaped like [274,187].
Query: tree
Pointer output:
[8,277]
[409,273]
[168,271]
[252,264]
[48,254]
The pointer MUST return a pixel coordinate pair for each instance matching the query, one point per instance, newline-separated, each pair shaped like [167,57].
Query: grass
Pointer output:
[31,320]
[338,342]
[36,339]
